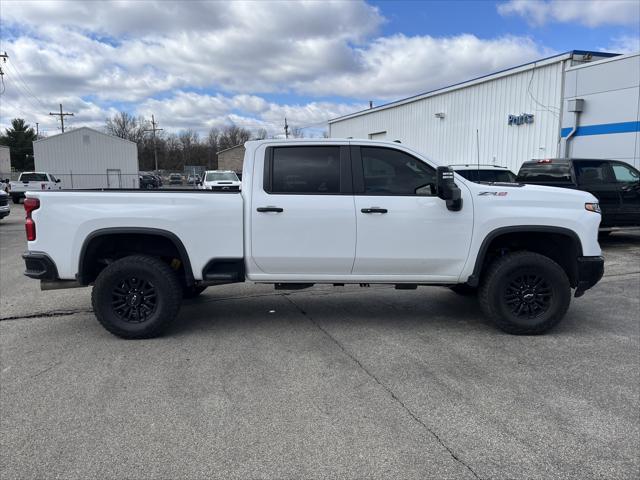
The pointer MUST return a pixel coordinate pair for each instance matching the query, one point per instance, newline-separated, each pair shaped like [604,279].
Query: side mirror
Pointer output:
[448,190]
[57,180]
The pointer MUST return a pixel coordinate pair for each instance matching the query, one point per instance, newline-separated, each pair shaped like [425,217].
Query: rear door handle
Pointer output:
[374,210]
[270,209]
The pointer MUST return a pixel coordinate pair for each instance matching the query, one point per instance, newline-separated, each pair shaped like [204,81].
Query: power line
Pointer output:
[25,86]
[61,115]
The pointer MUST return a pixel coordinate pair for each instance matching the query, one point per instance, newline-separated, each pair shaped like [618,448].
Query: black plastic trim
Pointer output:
[40,266]
[219,271]
[474,278]
[184,257]
[590,271]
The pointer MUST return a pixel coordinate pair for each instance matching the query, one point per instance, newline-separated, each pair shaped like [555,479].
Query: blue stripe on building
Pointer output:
[603,129]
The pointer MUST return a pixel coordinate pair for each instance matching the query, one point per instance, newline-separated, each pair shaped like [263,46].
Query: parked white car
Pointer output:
[320,211]
[29,181]
[5,209]
[220,180]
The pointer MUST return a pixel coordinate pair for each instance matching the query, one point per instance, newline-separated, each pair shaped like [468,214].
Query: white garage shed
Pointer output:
[87,158]
[515,115]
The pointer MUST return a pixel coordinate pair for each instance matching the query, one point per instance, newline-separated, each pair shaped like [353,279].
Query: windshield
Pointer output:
[33,177]
[216,176]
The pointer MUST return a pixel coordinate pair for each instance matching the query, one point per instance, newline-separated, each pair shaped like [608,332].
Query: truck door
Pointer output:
[403,228]
[302,211]
[628,180]
[596,177]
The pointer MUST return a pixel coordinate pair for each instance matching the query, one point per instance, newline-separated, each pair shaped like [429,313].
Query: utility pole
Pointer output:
[4,57]
[154,130]
[61,115]
[286,128]
[37,130]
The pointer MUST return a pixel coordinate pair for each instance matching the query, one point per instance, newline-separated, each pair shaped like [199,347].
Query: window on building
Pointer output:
[392,172]
[313,169]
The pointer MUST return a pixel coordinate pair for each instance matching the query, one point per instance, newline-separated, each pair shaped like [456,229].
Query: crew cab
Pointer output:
[615,184]
[29,181]
[319,211]
[221,180]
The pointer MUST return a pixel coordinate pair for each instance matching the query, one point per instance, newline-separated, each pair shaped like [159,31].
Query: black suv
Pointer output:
[615,184]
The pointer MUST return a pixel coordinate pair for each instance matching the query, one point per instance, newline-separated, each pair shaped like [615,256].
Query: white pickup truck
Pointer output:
[321,211]
[28,181]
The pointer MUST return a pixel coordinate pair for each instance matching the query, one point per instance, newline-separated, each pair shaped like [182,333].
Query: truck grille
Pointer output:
[4,201]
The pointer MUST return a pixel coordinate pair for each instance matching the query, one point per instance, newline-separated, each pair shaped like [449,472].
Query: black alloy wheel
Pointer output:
[134,299]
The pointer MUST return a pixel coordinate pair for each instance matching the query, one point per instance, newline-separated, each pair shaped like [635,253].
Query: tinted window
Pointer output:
[590,173]
[471,175]
[624,173]
[306,170]
[554,172]
[392,172]
[34,177]
[496,176]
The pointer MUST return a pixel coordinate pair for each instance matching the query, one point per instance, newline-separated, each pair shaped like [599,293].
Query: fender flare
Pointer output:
[474,278]
[184,257]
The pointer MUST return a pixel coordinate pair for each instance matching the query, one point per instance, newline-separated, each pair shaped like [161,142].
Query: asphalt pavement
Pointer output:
[343,382]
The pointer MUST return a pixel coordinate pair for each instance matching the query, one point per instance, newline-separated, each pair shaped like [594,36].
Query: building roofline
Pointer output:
[230,148]
[500,73]
[84,128]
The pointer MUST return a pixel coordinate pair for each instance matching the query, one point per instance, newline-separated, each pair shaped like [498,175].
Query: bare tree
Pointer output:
[188,139]
[232,136]
[212,142]
[260,134]
[125,125]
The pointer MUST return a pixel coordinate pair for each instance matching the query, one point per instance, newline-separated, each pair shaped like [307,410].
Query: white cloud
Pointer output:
[591,13]
[150,57]
[624,44]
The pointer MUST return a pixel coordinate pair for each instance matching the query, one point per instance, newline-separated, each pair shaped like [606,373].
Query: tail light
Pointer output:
[546,160]
[30,204]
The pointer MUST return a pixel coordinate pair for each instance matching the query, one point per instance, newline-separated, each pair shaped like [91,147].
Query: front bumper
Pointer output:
[590,271]
[40,266]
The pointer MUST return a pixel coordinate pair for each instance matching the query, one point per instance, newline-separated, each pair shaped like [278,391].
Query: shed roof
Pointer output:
[79,129]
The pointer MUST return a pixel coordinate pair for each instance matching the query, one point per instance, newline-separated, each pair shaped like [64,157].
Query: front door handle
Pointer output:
[374,210]
[270,209]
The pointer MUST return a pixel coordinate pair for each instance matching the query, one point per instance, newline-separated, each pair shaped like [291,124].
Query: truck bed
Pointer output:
[204,221]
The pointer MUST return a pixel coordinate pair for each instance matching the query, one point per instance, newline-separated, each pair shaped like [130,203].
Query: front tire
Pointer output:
[525,293]
[16,199]
[136,297]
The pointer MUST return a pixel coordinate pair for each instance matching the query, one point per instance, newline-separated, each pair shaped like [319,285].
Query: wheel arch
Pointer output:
[516,236]
[85,276]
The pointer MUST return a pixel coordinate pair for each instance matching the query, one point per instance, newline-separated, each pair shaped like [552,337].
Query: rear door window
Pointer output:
[304,170]
[503,176]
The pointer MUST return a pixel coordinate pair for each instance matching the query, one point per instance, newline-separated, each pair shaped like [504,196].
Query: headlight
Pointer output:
[592,207]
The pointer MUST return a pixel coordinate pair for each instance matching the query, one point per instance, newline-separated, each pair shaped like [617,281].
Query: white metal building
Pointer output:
[87,158]
[503,118]
[5,162]
[609,123]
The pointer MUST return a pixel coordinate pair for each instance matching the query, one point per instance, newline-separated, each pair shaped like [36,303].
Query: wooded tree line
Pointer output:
[175,150]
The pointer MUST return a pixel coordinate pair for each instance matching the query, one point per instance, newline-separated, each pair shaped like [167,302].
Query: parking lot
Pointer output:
[320,383]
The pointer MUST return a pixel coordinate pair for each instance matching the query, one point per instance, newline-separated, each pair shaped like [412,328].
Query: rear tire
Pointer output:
[16,199]
[525,293]
[136,297]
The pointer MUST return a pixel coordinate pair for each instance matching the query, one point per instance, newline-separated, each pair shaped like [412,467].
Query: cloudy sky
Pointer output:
[199,64]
